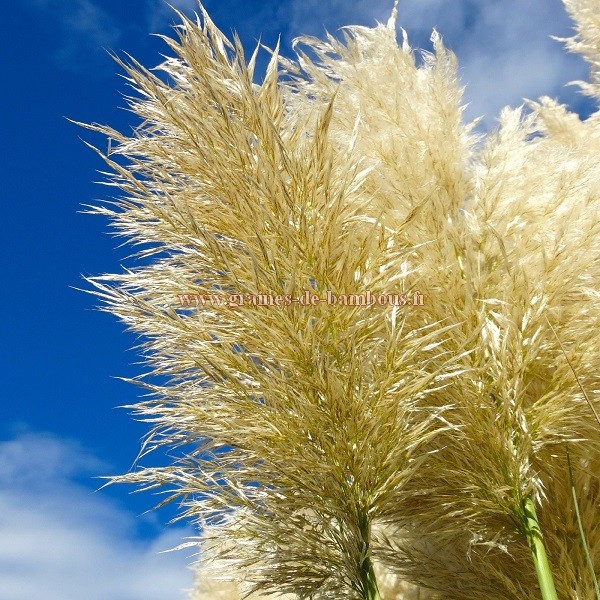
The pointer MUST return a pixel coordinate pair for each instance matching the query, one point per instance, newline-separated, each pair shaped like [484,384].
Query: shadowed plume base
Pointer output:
[343,452]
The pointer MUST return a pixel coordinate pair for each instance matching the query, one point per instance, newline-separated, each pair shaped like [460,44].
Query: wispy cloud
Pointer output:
[313,16]
[84,29]
[252,20]
[504,48]
[160,12]
[61,541]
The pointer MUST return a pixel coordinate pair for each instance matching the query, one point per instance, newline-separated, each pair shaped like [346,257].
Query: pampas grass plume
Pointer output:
[365,452]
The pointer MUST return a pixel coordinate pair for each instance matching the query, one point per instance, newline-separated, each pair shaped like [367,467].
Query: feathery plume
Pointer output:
[371,335]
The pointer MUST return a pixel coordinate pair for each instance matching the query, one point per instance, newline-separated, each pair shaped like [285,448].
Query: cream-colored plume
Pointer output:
[372,333]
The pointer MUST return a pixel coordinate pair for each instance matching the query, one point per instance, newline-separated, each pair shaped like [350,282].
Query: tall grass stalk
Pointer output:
[582,535]
[370,589]
[540,558]
[370,582]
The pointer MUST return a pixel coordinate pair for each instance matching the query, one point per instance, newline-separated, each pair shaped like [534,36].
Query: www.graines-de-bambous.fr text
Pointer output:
[307,298]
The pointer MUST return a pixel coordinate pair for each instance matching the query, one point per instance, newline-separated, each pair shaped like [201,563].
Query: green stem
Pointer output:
[370,588]
[581,530]
[370,581]
[585,545]
[536,543]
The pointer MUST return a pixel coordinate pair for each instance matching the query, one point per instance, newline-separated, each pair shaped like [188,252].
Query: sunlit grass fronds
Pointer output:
[214,579]
[586,14]
[305,421]
[320,445]
[530,261]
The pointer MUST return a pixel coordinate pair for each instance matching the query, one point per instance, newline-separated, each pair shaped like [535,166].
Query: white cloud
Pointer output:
[160,12]
[506,52]
[314,16]
[60,540]
[84,30]
[504,47]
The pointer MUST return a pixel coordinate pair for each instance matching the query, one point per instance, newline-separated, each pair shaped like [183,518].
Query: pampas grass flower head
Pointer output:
[330,446]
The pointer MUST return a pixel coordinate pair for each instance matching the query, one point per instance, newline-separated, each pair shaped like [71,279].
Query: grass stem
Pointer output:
[370,586]
[540,558]
[584,543]
[370,589]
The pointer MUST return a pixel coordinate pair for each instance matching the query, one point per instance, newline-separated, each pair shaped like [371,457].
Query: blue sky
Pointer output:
[59,428]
